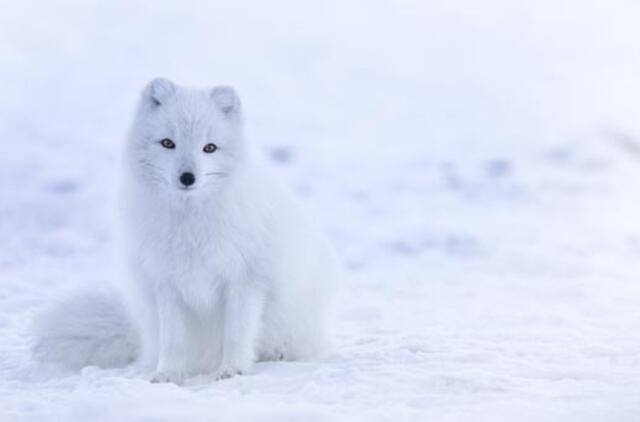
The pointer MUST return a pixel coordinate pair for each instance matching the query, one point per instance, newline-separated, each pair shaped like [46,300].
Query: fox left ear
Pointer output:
[158,91]
[227,99]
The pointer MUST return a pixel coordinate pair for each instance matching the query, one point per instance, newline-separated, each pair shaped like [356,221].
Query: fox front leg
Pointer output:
[242,311]
[172,342]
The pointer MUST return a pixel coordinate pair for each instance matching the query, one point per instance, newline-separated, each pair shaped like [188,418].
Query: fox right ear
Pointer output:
[227,99]
[158,91]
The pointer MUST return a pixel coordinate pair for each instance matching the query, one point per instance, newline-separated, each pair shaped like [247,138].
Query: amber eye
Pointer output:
[167,143]
[209,148]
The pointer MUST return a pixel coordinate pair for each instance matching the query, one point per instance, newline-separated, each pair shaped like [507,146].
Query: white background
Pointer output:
[475,163]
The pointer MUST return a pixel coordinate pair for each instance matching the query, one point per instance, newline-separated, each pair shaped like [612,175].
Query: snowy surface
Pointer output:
[476,164]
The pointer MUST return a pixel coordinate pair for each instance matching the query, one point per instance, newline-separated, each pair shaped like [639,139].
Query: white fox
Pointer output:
[224,270]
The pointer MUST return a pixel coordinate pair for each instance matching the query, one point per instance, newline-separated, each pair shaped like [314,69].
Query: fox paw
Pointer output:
[165,377]
[275,354]
[227,372]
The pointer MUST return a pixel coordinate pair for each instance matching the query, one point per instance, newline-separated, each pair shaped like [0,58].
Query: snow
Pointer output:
[475,163]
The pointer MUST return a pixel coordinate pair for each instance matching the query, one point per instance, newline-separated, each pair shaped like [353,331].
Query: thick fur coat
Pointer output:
[223,268]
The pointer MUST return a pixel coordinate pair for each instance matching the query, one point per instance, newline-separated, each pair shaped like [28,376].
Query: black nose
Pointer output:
[187,179]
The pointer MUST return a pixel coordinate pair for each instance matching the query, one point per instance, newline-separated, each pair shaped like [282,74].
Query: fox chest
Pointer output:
[194,259]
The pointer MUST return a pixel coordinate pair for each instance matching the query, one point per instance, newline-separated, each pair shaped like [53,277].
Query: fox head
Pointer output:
[186,141]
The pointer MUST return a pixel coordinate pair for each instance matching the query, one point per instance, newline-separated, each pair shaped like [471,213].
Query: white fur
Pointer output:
[91,328]
[229,271]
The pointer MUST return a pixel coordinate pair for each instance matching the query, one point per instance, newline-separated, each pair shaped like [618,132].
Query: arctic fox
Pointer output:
[223,268]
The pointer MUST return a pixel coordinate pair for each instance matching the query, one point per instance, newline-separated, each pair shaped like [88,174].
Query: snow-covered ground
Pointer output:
[475,162]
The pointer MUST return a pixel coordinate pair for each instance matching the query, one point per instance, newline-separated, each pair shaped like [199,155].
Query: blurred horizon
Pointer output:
[459,75]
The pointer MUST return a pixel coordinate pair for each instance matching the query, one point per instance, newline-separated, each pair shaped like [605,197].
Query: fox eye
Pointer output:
[209,148]
[167,143]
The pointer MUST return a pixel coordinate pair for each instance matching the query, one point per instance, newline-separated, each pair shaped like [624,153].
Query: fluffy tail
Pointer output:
[91,328]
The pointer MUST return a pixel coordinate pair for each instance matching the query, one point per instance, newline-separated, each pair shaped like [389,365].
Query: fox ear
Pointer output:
[158,91]
[227,99]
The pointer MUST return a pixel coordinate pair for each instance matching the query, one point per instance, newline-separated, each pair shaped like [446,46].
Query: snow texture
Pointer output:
[475,162]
